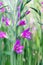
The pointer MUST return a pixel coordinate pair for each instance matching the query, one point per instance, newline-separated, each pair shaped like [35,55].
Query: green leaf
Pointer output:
[27,2]
[38,11]
[22,7]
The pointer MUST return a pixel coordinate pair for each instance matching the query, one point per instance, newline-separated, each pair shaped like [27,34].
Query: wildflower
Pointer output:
[27,12]
[17,47]
[6,20]
[3,34]
[1,3]
[2,10]
[18,14]
[18,8]
[3,18]
[26,34]
[22,22]
[41,2]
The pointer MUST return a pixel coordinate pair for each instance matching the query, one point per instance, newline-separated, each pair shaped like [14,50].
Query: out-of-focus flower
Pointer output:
[18,11]
[2,10]
[18,14]
[26,34]
[3,34]
[20,1]
[18,8]
[1,3]
[22,23]
[27,12]
[6,20]
[41,2]
[3,18]
[17,47]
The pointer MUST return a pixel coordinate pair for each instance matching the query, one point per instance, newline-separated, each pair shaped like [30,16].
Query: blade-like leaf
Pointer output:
[38,11]
[27,2]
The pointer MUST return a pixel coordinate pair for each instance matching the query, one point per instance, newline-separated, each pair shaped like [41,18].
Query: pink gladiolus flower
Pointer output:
[18,14]
[2,10]
[1,3]
[3,19]
[26,34]
[3,34]
[17,47]
[22,22]
[41,2]
[27,12]
[6,20]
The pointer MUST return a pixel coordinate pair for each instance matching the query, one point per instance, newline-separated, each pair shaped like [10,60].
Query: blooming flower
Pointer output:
[1,3]
[6,20]
[17,47]
[2,10]
[27,12]
[22,22]
[18,14]
[41,2]
[3,34]
[26,34]
[3,19]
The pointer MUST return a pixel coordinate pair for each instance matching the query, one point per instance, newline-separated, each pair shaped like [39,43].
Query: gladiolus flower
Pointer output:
[26,34]
[3,19]
[17,47]
[41,2]
[1,3]
[27,12]
[18,14]
[3,34]
[6,20]
[22,22]
[2,10]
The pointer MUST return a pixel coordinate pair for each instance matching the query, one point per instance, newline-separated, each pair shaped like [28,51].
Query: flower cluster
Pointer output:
[18,48]
[6,20]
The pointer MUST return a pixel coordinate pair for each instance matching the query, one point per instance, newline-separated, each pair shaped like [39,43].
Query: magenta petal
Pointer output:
[2,10]
[17,47]
[26,34]
[19,51]
[3,34]
[18,14]
[7,21]
[3,19]
[20,47]
[17,42]
[1,3]
[27,12]
[41,2]
[22,22]
[26,30]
